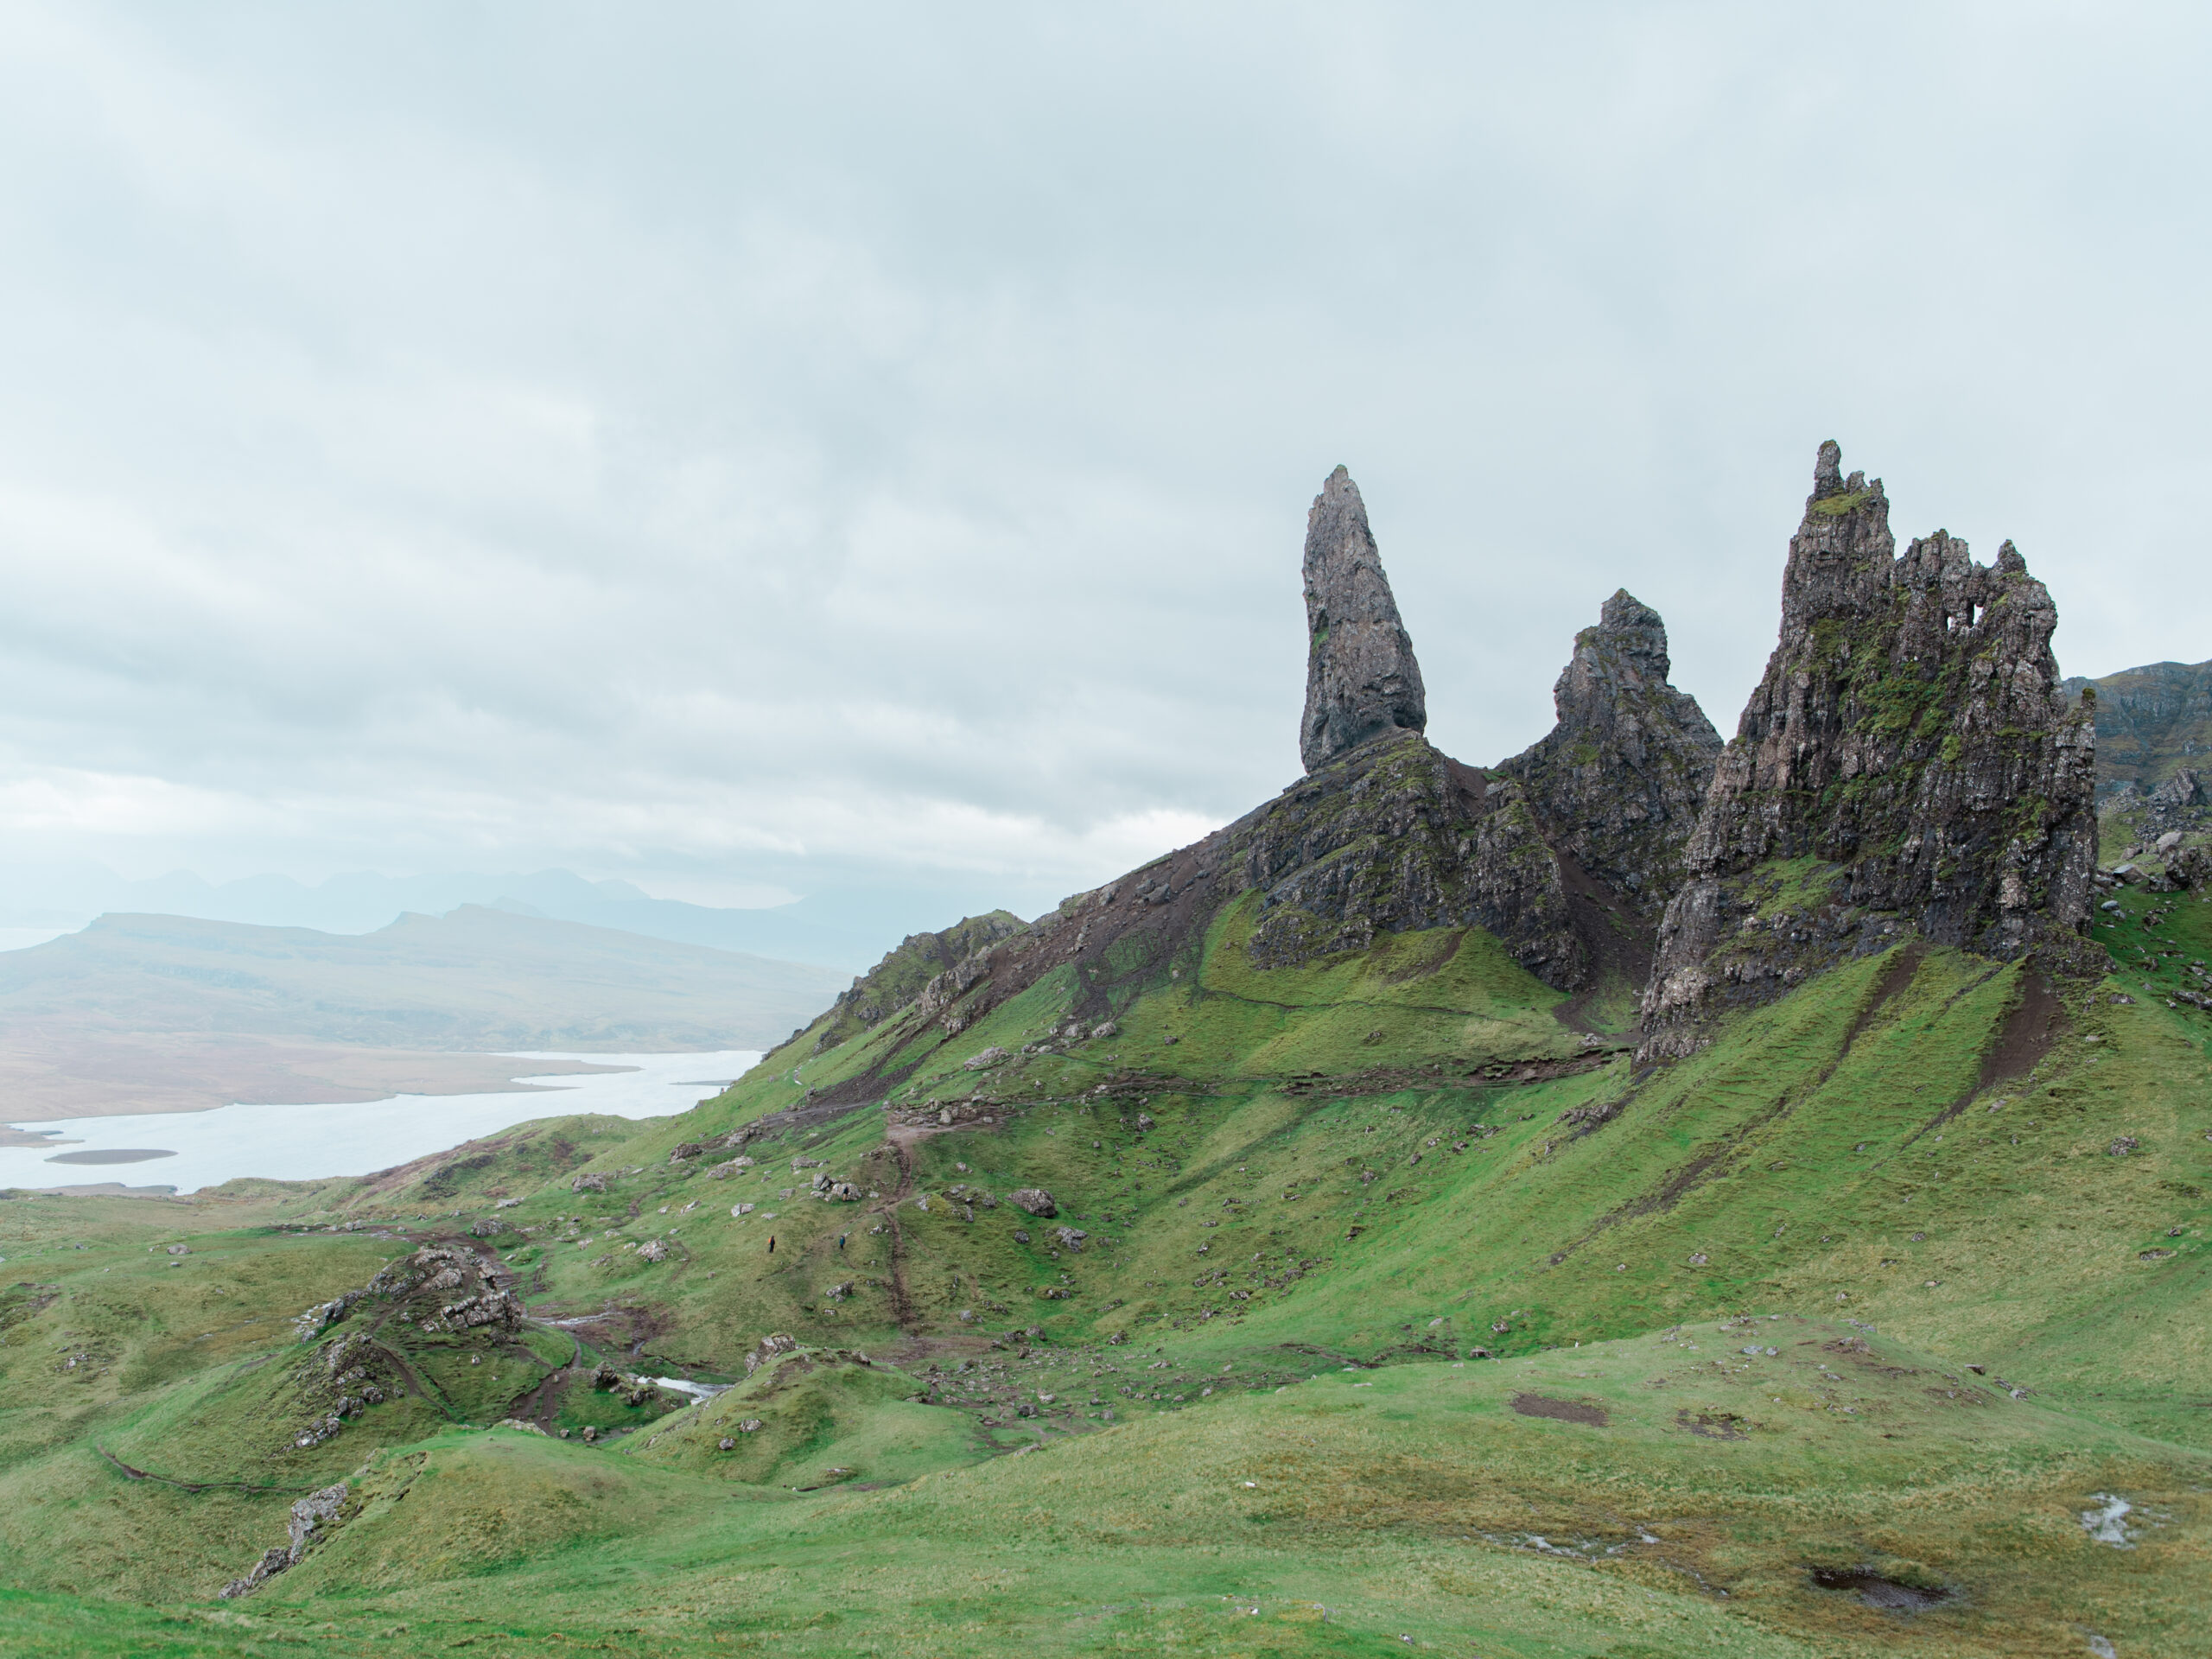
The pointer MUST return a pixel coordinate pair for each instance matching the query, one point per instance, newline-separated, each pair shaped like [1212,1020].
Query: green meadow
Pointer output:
[1383,1307]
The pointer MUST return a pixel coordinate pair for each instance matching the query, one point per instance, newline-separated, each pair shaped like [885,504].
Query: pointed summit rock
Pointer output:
[1619,780]
[1361,678]
[1911,754]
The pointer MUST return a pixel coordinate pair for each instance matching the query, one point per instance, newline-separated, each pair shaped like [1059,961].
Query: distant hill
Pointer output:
[477,979]
[845,927]
[2151,722]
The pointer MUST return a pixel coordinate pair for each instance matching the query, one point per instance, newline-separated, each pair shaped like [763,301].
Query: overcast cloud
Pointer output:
[743,449]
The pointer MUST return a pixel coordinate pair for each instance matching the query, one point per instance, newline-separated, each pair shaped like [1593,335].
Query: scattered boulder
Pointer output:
[984,1061]
[841,1192]
[1070,1237]
[1105,1030]
[2124,1145]
[724,1171]
[686,1149]
[653,1250]
[1034,1199]
[592,1181]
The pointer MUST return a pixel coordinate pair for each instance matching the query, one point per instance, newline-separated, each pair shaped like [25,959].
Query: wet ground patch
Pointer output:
[1892,1595]
[1564,1411]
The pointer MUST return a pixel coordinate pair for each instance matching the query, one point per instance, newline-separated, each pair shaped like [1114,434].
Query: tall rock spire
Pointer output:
[1361,678]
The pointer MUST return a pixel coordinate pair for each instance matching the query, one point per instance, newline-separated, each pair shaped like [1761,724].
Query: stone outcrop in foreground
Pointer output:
[1361,678]
[1910,734]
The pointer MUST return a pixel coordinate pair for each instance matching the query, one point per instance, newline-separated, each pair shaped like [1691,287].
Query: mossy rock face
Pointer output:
[1910,731]
[1619,781]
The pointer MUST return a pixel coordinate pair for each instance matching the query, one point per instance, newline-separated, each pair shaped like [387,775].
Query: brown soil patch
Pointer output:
[1713,1425]
[2030,1026]
[1562,1411]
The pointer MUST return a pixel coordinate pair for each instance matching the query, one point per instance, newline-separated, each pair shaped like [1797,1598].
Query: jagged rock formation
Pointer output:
[1361,678]
[1619,781]
[1565,854]
[1910,733]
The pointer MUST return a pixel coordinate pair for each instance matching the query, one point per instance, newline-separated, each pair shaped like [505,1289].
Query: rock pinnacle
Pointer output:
[1361,678]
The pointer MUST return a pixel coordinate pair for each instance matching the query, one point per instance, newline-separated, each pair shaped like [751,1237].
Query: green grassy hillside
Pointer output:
[1381,1303]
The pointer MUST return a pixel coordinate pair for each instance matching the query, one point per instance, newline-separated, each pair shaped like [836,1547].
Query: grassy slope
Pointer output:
[1833,1155]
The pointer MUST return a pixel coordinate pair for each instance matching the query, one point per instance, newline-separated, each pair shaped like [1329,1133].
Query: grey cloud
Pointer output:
[752,446]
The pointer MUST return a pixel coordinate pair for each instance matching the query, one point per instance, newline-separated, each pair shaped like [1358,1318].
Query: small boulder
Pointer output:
[984,1061]
[1105,1030]
[590,1182]
[653,1250]
[2166,842]
[1034,1199]
[723,1171]
[686,1149]
[1070,1237]
[726,1444]
[841,1192]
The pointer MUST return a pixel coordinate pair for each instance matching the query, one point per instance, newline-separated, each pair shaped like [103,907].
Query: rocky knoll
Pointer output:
[1361,678]
[905,973]
[1911,736]
[1619,781]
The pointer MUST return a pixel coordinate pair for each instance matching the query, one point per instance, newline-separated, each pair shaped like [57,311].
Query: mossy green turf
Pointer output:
[1307,1198]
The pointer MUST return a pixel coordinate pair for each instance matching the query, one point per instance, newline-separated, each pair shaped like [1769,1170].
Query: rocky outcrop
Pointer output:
[1618,784]
[1361,678]
[1911,738]
[313,1516]
[1398,837]
[925,964]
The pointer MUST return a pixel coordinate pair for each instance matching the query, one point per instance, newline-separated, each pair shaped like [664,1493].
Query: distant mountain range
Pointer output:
[158,1013]
[847,929]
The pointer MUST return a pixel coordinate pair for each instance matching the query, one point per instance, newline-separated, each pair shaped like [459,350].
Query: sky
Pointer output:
[747,451]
